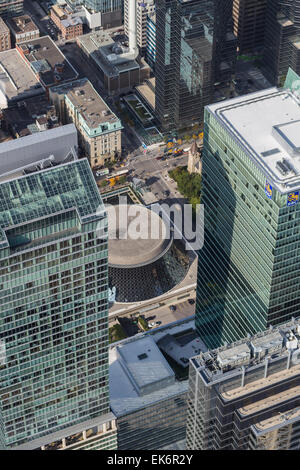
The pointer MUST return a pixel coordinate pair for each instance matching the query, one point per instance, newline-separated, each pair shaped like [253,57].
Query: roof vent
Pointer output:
[142,356]
[282,167]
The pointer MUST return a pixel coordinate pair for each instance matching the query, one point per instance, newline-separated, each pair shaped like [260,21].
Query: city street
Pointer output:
[155,174]
[164,315]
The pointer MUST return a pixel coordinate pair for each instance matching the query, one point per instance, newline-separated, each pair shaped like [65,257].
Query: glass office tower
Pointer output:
[195,48]
[103,6]
[245,396]
[54,303]
[282,36]
[249,267]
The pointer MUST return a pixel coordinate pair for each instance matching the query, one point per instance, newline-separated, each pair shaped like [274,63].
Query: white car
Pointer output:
[152,323]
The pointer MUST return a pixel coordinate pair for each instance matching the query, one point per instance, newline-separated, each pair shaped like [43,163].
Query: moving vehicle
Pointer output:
[103,172]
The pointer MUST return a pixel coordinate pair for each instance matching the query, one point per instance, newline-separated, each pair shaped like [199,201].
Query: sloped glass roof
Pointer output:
[46,192]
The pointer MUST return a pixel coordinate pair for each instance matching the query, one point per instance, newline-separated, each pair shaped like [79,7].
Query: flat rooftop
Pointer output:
[44,56]
[179,351]
[242,358]
[124,397]
[147,93]
[144,363]
[17,79]
[100,45]
[18,118]
[92,107]
[22,24]
[266,124]
[18,154]
[127,251]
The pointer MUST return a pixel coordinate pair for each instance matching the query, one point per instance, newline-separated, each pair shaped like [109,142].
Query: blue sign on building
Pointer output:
[293,198]
[268,190]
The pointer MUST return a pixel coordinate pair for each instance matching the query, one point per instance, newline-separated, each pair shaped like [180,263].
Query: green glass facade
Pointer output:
[195,48]
[249,267]
[54,303]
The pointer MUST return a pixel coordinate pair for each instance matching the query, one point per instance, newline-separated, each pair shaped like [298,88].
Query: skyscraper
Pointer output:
[143,9]
[101,13]
[245,396]
[195,48]
[282,36]
[249,24]
[249,266]
[54,304]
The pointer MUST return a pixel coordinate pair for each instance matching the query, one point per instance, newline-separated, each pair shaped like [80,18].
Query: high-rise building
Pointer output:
[282,37]
[151,39]
[10,8]
[249,24]
[249,265]
[108,12]
[70,25]
[195,49]
[54,301]
[245,396]
[143,9]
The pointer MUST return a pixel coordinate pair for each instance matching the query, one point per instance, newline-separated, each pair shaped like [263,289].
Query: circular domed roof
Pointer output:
[137,236]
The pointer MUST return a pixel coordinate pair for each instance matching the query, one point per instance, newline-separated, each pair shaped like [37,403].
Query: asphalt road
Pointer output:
[155,174]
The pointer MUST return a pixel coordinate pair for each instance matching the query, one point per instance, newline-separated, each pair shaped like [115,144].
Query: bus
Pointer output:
[115,176]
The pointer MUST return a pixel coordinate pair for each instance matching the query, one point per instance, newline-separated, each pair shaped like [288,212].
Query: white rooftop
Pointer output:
[181,353]
[267,125]
[144,364]
[124,397]
[19,154]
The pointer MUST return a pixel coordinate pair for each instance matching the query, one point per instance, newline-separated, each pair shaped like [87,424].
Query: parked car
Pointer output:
[152,324]
[191,301]
[172,308]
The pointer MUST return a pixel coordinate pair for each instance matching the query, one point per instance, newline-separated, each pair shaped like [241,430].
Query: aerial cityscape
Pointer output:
[149,227]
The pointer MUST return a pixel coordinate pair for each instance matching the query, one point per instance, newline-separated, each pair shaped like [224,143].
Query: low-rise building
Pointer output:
[23,28]
[17,80]
[5,42]
[117,72]
[29,116]
[98,127]
[148,386]
[69,24]
[47,62]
